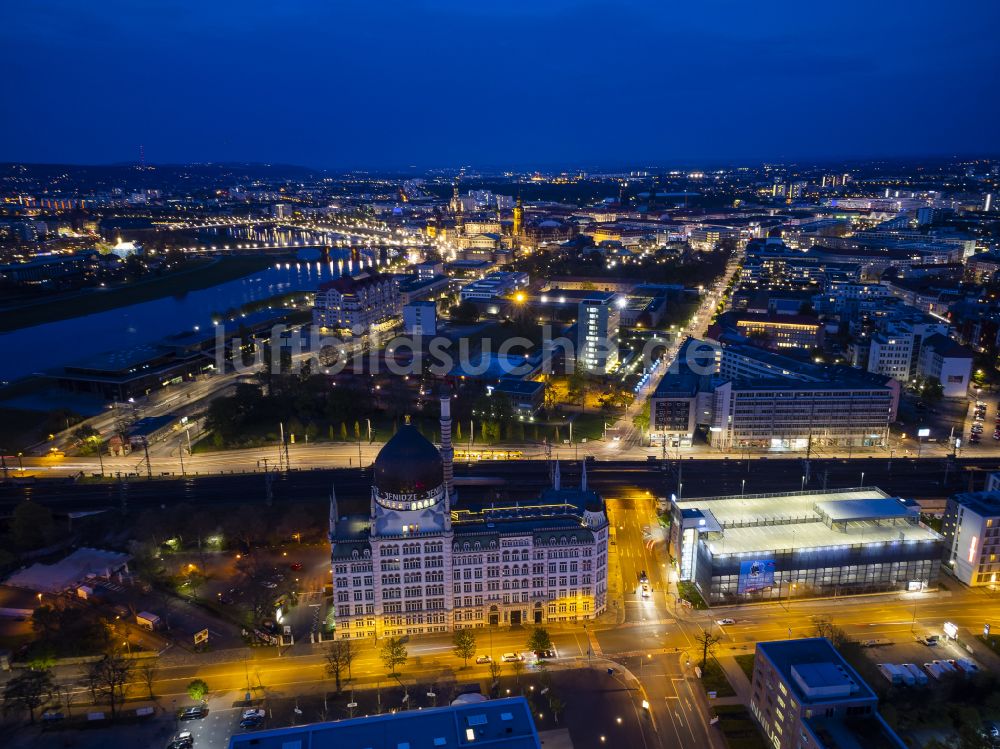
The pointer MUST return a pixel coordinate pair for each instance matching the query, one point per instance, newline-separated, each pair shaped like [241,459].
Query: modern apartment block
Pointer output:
[598,320]
[971,529]
[949,363]
[806,696]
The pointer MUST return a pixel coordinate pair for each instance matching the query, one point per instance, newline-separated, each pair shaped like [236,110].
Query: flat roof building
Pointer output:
[503,723]
[806,696]
[802,544]
[971,529]
[747,398]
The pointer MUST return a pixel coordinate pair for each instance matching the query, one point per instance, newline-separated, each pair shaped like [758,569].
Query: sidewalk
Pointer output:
[737,679]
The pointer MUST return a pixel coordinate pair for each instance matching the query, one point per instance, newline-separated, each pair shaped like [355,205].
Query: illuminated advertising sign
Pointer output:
[756,574]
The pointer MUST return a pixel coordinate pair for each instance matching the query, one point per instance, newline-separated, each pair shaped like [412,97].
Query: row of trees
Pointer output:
[393,654]
[109,681]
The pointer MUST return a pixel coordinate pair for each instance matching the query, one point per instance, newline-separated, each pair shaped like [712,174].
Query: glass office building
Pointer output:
[803,544]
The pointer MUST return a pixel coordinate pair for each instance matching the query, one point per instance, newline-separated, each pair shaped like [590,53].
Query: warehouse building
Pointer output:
[802,544]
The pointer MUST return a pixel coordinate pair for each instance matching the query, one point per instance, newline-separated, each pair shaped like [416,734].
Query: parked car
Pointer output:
[183,740]
[483,659]
[511,657]
[193,713]
[253,712]
[251,722]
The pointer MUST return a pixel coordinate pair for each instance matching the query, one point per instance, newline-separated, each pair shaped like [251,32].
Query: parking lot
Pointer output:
[911,650]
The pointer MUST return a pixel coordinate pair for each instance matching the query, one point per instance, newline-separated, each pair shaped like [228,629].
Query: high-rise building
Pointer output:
[597,324]
[417,563]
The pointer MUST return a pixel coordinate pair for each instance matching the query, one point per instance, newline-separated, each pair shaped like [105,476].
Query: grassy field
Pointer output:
[690,593]
[19,429]
[746,663]
[739,728]
[713,679]
[200,274]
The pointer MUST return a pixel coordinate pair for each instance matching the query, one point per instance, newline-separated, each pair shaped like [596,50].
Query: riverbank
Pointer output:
[200,274]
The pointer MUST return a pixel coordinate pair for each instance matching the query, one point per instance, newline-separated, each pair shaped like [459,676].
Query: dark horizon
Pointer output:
[525,168]
[558,82]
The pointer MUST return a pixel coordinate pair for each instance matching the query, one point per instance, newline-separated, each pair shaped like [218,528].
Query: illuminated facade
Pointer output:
[752,547]
[597,324]
[357,304]
[416,565]
[782,331]
[971,529]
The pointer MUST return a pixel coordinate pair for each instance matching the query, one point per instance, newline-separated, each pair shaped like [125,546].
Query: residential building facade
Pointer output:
[357,304]
[971,528]
[597,326]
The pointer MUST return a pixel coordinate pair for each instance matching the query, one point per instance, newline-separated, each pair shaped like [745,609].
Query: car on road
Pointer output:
[194,712]
[645,590]
[540,654]
[643,577]
[875,642]
[930,641]
[295,566]
[724,622]
[183,740]
[269,584]
[511,657]
[483,659]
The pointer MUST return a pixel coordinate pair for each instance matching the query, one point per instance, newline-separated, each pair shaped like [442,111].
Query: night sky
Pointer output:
[522,83]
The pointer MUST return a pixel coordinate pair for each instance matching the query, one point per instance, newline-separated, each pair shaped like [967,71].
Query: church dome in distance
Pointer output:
[408,464]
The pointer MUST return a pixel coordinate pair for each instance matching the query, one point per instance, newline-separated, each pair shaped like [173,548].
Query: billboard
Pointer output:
[756,574]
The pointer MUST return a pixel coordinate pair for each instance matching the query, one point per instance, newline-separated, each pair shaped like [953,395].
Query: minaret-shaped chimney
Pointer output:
[556,479]
[333,513]
[447,452]
[583,477]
